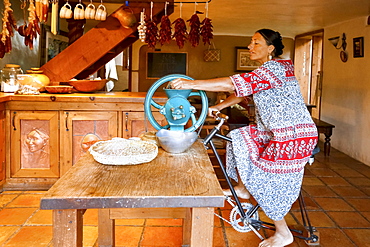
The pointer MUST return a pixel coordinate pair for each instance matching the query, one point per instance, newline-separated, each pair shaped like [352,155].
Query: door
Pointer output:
[34,144]
[79,130]
[308,68]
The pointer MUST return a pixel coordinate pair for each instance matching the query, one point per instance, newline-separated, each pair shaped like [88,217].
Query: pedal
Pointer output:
[316,239]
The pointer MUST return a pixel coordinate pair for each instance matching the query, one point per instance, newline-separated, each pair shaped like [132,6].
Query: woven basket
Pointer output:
[212,54]
[120,151]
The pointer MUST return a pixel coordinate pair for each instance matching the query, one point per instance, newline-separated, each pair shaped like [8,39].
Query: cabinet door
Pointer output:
[79,130]
[2,143]
[34,144]
[134,123]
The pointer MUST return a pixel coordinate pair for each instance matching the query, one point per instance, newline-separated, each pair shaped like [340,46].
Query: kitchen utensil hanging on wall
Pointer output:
[101,12]
[66,11]
[125,16]
[79,11]
[90,11]
[54,17]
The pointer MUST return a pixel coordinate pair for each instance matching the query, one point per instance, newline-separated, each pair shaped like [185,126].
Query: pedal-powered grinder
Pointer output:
[175,136]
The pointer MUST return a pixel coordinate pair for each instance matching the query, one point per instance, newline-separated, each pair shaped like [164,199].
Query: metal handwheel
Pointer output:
[177,109]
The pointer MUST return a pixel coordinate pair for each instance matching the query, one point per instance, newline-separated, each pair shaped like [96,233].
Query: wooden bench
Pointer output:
[326,129]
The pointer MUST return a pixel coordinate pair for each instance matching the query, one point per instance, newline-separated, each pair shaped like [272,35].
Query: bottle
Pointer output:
[9,78]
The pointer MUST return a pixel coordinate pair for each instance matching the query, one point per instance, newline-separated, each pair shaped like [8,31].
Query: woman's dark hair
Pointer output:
[273,38]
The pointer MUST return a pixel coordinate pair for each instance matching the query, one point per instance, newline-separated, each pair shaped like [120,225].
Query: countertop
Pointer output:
[98,97]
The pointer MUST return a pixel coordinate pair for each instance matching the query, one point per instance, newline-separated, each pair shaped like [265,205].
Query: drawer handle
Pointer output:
[126,121]
[67,113]
[13,120]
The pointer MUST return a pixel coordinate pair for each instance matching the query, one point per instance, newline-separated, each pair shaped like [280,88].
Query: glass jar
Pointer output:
[9,78]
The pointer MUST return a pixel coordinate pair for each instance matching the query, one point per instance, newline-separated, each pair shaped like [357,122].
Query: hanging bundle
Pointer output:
[42,8]
[165,31]
[206,28]
[151,34]
[194,23]
[9,23]
[180,34]
[142,26]
[33,27]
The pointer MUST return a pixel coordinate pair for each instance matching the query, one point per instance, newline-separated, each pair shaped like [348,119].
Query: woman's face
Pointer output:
[259,50]
[34,141]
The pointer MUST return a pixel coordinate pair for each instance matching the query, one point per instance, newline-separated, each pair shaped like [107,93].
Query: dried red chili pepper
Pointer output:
[151,34]
[165,31]
[194,35]
[206,31]
[180,34]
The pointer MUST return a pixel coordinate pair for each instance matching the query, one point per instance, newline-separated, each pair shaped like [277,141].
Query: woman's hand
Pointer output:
[213,109]
[181,83]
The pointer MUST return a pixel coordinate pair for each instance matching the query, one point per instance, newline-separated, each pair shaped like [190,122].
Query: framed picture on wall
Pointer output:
[243,62]
[358,47]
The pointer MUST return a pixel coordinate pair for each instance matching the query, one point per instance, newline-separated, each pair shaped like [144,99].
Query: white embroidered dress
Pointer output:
[270,156]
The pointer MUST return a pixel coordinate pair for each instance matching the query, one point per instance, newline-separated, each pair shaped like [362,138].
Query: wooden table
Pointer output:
[171,186]
[326,129]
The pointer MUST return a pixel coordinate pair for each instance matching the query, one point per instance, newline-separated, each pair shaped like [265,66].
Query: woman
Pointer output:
[267,159]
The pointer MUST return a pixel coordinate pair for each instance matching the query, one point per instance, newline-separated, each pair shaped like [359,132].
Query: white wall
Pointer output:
[346,91]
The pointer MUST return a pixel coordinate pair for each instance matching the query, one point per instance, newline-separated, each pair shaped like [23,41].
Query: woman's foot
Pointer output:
[241,192]
[282,237]
[277,240]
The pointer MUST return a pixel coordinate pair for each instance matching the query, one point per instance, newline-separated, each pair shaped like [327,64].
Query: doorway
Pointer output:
[308,53]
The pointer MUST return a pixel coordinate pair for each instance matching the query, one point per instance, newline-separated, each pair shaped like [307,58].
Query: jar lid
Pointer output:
[9,65]
[34,71]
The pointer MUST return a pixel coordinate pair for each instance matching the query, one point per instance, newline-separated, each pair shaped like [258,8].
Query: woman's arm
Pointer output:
[229,101]
[213,85]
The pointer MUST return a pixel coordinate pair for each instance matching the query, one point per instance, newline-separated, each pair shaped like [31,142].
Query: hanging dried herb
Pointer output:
[180,34]
[165,31]
[194,34]
[206,31]
[33,28]
[151,34]
[9,23]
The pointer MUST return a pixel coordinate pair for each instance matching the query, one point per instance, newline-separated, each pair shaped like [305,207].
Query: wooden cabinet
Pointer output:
[42,137]
[79,130]
[2,144]
[135,123]
[34,144]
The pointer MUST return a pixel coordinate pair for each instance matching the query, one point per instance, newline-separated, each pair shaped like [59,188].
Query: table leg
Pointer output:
[327,144]
[67,227]
[186,228]
[202,220]
[106,230]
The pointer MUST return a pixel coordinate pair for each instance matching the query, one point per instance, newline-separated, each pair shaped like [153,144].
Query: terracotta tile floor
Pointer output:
[336,191]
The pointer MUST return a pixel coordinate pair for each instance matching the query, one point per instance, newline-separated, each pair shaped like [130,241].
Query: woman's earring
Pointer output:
[270,57]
